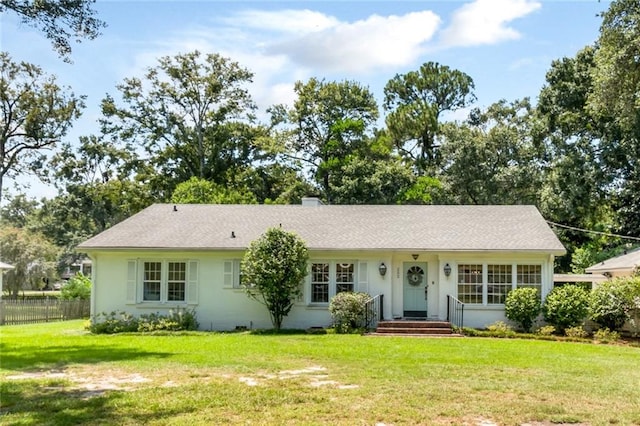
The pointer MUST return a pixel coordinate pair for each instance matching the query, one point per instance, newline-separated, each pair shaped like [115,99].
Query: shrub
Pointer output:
[576,332]
[114,322]
[546,330]
[614,302]
[523,306]
[500,329]
[348,310]
[123,322]
[78,287]
[605,335]
[566,306]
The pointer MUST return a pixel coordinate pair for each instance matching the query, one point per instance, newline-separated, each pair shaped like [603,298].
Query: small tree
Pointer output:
[523,306]
[78,287]
[566,306]
[272,271]
[613,302]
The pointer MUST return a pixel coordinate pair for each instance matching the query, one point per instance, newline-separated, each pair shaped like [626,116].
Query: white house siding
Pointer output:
[482,315]
[219,306]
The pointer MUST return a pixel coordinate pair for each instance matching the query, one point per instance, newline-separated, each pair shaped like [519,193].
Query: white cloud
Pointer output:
[486,22]
[362,46]
[285,21]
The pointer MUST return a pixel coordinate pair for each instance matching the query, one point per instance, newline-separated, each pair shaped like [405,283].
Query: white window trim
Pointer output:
[485,278]
[333,283]
[191,283]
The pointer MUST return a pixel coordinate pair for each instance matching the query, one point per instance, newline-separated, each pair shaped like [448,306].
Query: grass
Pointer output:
[58,374]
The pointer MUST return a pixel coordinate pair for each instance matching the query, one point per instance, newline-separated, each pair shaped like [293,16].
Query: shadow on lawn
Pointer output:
[37,357]
[28,402]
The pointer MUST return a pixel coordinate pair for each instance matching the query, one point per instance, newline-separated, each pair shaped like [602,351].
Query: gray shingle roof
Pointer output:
[626,261]
[368,227]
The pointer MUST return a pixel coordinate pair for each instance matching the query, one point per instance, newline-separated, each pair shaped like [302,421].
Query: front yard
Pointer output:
[59,374]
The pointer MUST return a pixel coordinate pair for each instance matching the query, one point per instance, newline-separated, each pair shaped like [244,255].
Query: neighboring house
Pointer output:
[620,266]
[3,267]
[169,257]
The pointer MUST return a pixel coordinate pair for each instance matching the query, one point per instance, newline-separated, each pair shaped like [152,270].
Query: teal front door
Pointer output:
[414,290]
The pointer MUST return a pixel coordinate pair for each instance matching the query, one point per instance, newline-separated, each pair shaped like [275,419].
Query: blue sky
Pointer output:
[506,46]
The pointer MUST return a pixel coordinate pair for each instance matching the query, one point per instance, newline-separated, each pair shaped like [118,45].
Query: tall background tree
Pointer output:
[36,114]
[328,124]
[616,93]
[191,115]
[60,20]
[415,103]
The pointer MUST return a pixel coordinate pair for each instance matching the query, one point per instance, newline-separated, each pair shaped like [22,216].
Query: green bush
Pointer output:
[123,322]
[348,310]
[605,335]
[78,287]
[546,330]
[500,329]
[114,322]
[566,306]
[614,302]
[523,306]
[576,332]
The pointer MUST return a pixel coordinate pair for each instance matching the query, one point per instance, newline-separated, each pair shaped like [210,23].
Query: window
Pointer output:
[344,277]
[499,283]
[320,282]
[232,274]
[530,276]
[168,281]
[331,278]
[177,281]
[490,284]
[470,283]
[152,281]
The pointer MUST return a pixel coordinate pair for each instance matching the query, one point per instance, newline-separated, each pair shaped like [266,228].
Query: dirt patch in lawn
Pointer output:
[95,381]
[86,382]
[315,375]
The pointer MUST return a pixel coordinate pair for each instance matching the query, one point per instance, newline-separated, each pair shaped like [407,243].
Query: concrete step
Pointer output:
[414,328]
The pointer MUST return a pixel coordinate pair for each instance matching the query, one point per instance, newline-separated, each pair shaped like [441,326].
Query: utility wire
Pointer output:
[607,234]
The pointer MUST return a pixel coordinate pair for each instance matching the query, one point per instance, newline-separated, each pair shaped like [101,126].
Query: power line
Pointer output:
[588,231]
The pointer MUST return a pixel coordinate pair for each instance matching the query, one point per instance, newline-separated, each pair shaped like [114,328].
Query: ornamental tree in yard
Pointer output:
[272,271]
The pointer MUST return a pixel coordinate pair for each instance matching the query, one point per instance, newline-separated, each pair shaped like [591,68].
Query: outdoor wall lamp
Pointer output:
[447,269]
[382,269]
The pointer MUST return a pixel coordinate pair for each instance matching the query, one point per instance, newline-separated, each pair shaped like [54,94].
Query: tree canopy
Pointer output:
[60,21]
[36,114]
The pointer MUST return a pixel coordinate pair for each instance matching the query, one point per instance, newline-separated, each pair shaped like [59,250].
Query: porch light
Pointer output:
[382,269]
[447,269]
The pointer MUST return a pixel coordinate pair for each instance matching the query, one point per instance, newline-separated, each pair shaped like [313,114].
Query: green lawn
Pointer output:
[58,374]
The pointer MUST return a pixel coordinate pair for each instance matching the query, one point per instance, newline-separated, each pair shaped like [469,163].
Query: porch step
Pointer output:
[414,328]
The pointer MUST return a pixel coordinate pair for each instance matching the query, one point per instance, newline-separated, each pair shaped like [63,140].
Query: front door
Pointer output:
[414,289]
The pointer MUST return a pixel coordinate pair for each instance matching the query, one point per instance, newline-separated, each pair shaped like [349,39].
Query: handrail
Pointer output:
[374,311]
[455,312]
